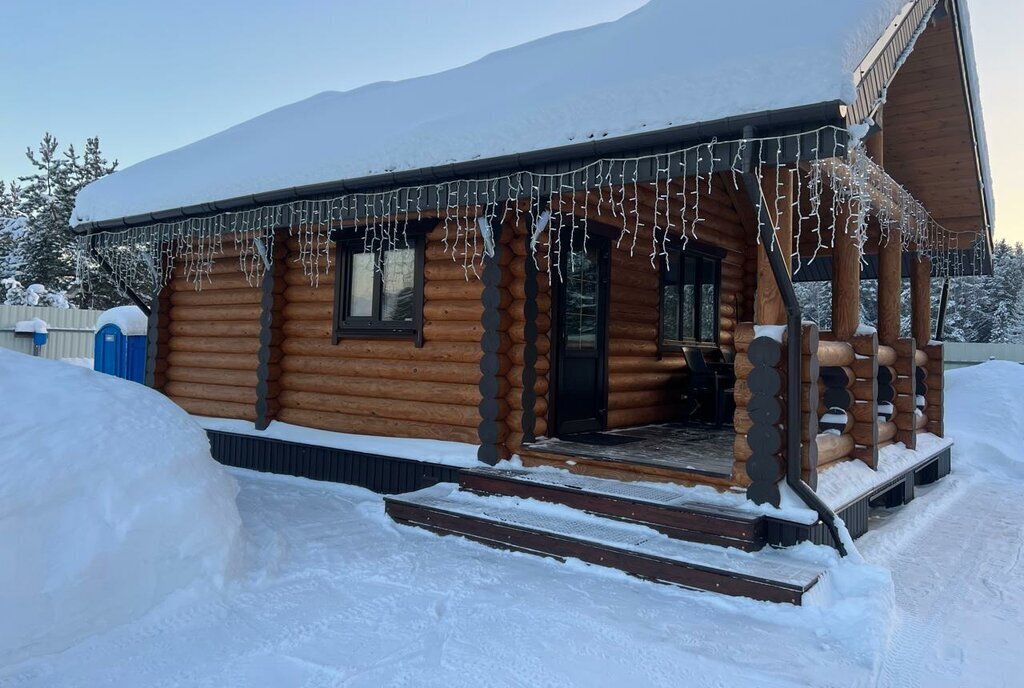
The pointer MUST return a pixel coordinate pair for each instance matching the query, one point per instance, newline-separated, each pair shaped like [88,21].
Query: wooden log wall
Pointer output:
[905,386]
[643,386]
[380,386]
[934,396]
[215,339]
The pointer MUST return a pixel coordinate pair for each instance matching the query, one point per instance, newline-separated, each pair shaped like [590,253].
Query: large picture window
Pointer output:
[379,300]
[689,298]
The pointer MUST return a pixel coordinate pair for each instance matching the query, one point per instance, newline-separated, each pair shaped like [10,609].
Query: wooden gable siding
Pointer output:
[381,386]
[929,145]
[214,341]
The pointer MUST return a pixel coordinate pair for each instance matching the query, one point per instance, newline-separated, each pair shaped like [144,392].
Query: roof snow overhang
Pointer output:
[767,123]
[877,79]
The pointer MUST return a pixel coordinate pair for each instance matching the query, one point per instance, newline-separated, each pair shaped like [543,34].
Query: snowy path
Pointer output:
[955,554]
[338,595]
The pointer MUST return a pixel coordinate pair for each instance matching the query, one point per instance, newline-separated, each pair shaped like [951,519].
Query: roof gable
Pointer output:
[931,121]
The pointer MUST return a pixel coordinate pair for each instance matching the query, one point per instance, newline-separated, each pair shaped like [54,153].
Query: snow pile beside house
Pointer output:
[129,319]
[109,502]
[985,417]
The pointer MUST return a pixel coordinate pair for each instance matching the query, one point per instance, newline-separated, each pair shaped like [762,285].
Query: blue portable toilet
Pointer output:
[121,343]
[35,328]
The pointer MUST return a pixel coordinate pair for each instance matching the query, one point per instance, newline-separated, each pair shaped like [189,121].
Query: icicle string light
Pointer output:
[654,199]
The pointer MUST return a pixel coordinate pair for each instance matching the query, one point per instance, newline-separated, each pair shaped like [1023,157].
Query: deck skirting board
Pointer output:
[896,492]
[384,474]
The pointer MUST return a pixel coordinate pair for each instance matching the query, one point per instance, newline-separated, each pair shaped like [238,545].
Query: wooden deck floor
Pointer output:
[704,450]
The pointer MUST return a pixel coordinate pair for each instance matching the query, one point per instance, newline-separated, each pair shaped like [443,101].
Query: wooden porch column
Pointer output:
[492,429]
[890,286]
[921,300]
[777,185]
[845,278]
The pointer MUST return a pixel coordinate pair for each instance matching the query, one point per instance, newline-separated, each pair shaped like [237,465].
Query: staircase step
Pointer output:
[666,509]
[562,532]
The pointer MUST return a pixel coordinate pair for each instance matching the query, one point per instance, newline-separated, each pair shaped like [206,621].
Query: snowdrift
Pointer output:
[109,502]
[985,417]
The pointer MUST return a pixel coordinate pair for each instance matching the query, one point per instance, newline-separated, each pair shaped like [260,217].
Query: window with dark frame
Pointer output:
[379,294]
[690,287]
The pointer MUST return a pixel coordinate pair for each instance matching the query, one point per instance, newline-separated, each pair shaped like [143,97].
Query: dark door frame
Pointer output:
[605,235]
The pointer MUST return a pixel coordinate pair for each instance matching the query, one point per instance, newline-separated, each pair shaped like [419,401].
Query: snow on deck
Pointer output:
[848,481]
[795,567]
[459,454]
[693,497]
[667,64]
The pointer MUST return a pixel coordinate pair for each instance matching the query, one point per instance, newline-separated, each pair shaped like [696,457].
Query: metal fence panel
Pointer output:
[70,330]
[960,354]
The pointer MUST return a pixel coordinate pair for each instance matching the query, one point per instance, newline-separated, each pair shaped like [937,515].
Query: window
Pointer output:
[379,295]
[689,298]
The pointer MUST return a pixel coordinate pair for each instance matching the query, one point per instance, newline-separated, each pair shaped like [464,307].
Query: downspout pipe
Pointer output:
[132,294]
[794,323]
[940,322]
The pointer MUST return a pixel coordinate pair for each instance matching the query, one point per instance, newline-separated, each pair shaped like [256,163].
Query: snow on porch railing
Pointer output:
[833,177]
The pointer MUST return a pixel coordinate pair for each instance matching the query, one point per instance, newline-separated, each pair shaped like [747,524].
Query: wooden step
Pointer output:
[562,532]
[667,508]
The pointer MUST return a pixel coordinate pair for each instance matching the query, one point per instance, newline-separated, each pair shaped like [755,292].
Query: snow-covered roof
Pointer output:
[665,65]
[129,319]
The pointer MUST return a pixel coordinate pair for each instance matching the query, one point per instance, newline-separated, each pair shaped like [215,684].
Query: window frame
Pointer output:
[360,327]
[676,258]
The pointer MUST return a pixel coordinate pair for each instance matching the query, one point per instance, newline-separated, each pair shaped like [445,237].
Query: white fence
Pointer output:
[70,330]
[960,354]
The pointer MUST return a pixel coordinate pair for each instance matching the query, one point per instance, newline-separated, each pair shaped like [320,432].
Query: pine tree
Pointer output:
[45,252]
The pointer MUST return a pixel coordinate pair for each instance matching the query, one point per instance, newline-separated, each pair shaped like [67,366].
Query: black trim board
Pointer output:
[384,474]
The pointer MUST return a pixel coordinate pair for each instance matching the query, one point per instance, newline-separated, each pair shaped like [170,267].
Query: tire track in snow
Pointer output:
[934,570]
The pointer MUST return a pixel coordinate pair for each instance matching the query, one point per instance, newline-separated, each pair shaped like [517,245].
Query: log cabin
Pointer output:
[596,277]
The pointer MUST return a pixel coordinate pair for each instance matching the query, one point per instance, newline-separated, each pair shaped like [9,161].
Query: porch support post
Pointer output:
[263,414]
[777,186]
[780,265]
[529,394]
[156,354]
[492,430]
[920,300]
[845,278]
[890,286]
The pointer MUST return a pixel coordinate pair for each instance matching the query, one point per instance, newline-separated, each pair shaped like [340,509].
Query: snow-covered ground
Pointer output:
[334,593]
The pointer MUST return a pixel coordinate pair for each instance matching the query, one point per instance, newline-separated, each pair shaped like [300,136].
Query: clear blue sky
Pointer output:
[148,76]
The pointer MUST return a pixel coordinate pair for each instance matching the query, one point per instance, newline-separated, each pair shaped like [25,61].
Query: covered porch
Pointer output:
[862,388]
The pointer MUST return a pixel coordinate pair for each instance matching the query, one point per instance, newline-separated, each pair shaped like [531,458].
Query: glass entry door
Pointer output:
[581,393]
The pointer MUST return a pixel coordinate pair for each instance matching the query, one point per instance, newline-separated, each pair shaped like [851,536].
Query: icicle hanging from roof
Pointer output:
[650,200]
